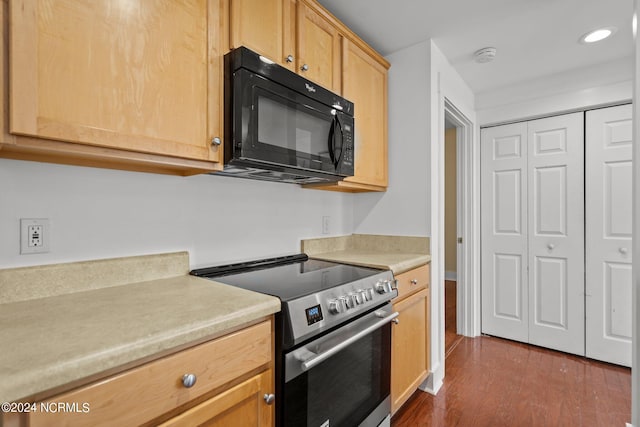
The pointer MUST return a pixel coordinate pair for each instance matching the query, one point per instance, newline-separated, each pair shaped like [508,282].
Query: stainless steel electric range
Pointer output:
[333,337]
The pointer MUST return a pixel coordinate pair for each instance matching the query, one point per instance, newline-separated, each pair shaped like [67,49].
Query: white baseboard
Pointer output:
[451,275]
[629,425]
[433,382]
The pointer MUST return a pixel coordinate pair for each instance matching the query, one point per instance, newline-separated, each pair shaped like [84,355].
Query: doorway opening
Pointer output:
[451,335]
[463,244]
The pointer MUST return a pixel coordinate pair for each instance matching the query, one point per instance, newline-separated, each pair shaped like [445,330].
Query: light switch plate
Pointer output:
[34,235]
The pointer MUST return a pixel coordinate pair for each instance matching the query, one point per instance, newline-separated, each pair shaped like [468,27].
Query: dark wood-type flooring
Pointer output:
[451,338]
[495,382]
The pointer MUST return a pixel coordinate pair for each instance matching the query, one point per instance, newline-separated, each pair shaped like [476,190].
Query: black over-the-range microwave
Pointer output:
[282,127]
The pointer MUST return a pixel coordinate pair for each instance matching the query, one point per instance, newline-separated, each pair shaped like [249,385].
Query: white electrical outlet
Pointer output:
[34,235]
[325,224]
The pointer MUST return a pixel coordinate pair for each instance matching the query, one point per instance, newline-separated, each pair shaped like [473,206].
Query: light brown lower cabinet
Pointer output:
[233,386]
[410,337]
[242,405]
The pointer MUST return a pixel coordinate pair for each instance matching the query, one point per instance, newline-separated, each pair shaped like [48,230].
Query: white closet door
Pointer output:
[608,249]
[504,231]
[556,232]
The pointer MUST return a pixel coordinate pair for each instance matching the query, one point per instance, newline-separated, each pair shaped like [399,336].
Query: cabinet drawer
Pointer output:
[412,281]
[146,392]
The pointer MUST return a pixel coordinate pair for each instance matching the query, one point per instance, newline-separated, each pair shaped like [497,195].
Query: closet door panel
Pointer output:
[608,238]
[504,231]
[555,251]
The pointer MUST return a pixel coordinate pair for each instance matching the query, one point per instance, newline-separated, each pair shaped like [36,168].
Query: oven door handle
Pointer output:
[310,363]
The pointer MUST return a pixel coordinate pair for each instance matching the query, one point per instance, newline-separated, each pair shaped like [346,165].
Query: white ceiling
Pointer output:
[534,38]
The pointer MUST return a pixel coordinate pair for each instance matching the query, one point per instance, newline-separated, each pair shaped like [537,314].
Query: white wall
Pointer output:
[404,209]
[100,213]
[635,361]
[603,84]
[420,78]
[445,83]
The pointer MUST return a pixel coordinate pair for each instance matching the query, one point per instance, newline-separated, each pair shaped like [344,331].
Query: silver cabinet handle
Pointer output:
[269,398]
[189,380]
[396,321]
[623,251]
[414,281]
[550,246]
[289,58]
[216,141]
[310,363]
[305,67]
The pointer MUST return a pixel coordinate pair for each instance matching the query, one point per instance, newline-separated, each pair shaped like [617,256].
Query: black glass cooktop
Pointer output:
[288,277]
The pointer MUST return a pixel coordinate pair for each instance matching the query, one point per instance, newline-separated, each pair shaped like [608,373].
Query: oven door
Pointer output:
[276,125]
[342,378]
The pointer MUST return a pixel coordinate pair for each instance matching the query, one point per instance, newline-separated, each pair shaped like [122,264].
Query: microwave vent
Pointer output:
[270,175]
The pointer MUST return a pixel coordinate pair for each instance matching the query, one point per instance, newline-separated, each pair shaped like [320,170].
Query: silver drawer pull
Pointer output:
[414,281]
[269,398]
[189,380]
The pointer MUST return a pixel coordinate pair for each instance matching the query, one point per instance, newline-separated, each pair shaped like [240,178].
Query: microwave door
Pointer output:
[288,127]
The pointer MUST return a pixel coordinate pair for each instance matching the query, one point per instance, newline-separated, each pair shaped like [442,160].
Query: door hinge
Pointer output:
[459,239]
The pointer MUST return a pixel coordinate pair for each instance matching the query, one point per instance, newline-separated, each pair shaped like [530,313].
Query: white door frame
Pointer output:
[468,219]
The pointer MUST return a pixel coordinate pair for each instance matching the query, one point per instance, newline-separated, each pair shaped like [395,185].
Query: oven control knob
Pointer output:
[383,286]
[337,306]
[359,299]
[363,295]
[370,293]
[351,301]
[355,297]
[344,302]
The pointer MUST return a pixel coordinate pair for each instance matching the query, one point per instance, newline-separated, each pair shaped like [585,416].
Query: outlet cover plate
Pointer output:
[326,222]
[36,244]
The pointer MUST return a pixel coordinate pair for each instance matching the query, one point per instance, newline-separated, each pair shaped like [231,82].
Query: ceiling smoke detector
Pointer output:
[484,55]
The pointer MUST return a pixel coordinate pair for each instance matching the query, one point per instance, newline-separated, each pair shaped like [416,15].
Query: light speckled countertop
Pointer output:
[395,253]
[396,262]
[56,342]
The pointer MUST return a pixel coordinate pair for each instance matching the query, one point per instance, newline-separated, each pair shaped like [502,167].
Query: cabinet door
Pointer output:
[142,394]
[365,84]
[266,27]
[242,405]
[409,346]
[318,44]
[140,76]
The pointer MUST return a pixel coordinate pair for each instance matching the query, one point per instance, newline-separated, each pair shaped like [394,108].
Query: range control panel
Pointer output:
[312,314]
[359,296]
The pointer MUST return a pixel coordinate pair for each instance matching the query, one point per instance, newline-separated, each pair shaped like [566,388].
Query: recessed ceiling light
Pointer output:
[597,35]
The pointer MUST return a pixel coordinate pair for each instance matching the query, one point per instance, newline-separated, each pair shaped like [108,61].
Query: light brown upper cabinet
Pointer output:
[318,47]
[304,38]
[266,27]
[364,82]
[129,85]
